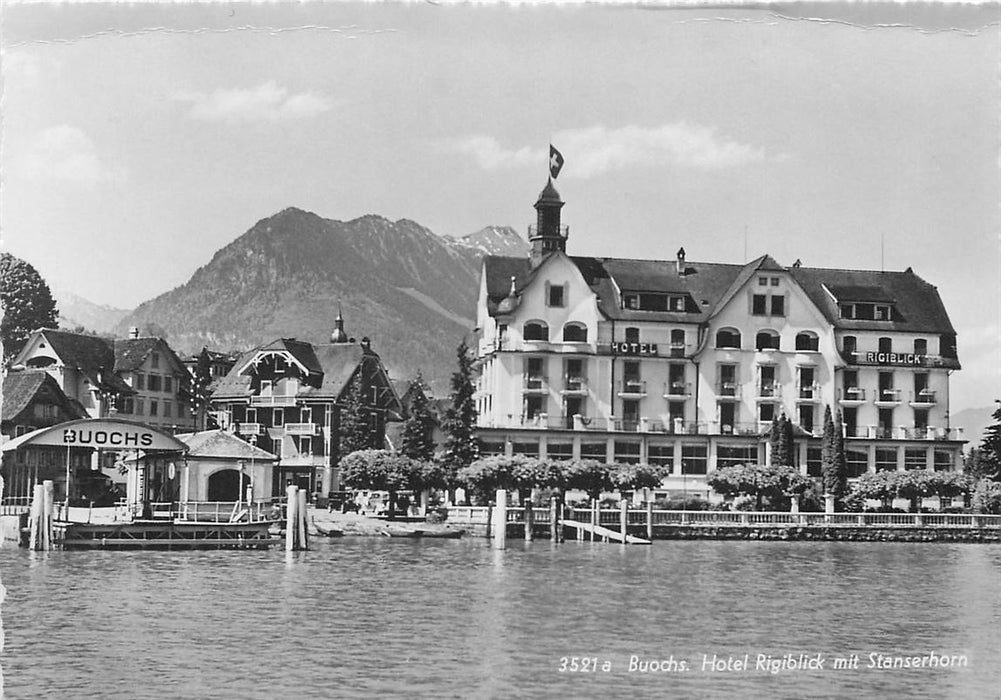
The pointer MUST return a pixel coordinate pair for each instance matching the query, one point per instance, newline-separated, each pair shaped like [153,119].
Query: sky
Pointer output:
[139,139]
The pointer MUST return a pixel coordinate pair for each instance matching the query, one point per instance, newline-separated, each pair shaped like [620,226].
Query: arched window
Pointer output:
[766,340]
[728,338]
[575,333]
[535,330]
[807,341]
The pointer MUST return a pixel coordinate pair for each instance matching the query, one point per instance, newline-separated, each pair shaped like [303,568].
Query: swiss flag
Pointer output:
[555,162]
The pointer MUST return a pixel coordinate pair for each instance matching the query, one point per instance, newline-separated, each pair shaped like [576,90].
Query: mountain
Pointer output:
[974,421]
[411,291]
[75,311]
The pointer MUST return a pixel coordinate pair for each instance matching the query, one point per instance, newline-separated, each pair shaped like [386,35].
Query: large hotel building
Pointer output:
[685,364]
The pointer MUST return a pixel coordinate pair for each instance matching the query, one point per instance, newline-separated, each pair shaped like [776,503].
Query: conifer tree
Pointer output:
[990,447]
[354,431]
[417,441]
[461,446]
[27,304]
[840,483]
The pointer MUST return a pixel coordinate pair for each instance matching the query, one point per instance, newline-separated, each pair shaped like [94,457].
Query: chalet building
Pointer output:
[33,400]
[286,397]
[135,378]
[685,364]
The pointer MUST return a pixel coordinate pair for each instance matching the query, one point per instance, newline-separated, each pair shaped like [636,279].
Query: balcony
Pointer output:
[574,385]
[678,349]
[852,396]
[727,391]
[536,385]
[632,387]
[887,397]
[678,426]
[808,392]
[925,397]
[629,425]
[272,400]
[741,428]
[678,390]
[245,429]
[769,392]
[300,429]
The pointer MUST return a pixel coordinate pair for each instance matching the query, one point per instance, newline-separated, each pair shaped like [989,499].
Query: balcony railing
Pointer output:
[536,385]
[725,390]
[852,394]
[742,428]
[574,385]
[272,400]
[923,397]
[769,391]
[678,349]
[300,428]
[562,231]
[678,427]
[632,387]
[250,429]
[808,392]
[680,389]
[887,395]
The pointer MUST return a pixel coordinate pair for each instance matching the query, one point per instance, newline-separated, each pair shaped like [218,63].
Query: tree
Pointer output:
[771,484]
[417,441]
[27,304]
[590,476]
[354,430]
[978,465]
[461,446]
[379,470]
[628,477]
[200,387]
[781,441]
[840,459]
[987,497]
[832,459]
[990,447]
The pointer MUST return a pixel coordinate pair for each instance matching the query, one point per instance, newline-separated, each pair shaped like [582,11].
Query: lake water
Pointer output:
[368,617]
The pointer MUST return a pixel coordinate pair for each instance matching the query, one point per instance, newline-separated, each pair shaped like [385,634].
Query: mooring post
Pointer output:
[649,520]
[623,518]
[35,524]
[291,517]
[303,531]
[594,517]
[554,522]
[529,520]
[500,524]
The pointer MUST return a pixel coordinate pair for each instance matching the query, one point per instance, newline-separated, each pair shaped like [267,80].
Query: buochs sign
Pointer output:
[107,433]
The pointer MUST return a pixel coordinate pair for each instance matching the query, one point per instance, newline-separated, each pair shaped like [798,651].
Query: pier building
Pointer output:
[685,364]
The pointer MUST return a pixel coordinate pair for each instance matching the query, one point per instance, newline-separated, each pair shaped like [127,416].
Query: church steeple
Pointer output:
[339,336]
[548,235]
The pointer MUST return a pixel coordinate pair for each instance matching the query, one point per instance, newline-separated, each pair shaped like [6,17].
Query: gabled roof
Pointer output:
[222,444]
[130,353]
[21,387]
[301,353]
[917,304]
[92,355]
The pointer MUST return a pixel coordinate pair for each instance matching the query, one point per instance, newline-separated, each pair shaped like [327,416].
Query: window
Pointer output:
[575,333]
[140,381]
[920,346]
[807,342]
[915,458]
[278,417]
[556,296]
[631,301]
[759,304]
[630,414]
[849,344]
[126,405]
[944,461]
[778,305]
[727,338]
[594,450]
[920,419]
[849,419]
[536,330]
[534,406]
[491,448]
[155,360]
[727,380]
[632,334]
[886,344]
[886,459]
[806,417]
[885,423]
[528,448]
[153,407]
[677,342]
[775,281]
[882,312]
[168,409]
[762,281]
[732,455]
[559,450]
[140,407]
[693,459]
[766,340]
[807,388]
[886,390]
[154,382]
[574,374]
[676,303]
[675,410]
[661,455]
[627,452]
[168,384]
[814,465]
[766,412]
[858,462]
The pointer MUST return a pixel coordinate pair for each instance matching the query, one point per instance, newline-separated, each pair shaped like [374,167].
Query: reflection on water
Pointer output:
[366,617]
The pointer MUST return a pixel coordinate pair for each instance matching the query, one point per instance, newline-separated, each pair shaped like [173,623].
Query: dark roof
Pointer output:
[92,355]
[710,286]
[847,293]
[222,444]
[20,388]
[130,353]
[918,308]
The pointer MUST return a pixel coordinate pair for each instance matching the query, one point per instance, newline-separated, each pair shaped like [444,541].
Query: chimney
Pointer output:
[133,332]
[681,261]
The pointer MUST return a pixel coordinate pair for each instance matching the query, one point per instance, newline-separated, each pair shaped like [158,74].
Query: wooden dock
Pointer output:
[604,533]
[160,534]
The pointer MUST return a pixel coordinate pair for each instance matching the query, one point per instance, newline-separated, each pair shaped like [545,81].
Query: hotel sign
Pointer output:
[638,349]
[892,359]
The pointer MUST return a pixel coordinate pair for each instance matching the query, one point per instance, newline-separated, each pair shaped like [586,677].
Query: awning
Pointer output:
[109,433]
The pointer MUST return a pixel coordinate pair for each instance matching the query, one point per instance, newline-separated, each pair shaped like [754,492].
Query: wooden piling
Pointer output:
[554,523]
[594,517]
[623,518]
[47,509]
[529,517]
[500,523]
[35,517]
[291,517]
[649,520]
[303,530]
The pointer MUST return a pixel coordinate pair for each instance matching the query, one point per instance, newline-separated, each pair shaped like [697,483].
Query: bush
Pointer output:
[744,504]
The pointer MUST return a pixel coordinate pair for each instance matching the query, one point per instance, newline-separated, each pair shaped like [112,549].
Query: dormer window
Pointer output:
[653,301]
